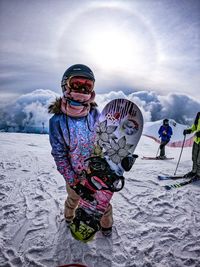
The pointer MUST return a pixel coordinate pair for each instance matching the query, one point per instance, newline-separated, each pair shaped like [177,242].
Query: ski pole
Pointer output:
[157,151]
[180,154]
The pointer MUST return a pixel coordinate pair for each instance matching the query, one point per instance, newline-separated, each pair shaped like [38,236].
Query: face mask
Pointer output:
[77,97]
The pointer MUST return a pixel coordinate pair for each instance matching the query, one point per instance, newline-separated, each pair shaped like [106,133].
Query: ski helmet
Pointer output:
[165,121]
[77,70]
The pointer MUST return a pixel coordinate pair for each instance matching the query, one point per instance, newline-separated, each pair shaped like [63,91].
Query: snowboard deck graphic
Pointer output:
[155,158]
[117,134]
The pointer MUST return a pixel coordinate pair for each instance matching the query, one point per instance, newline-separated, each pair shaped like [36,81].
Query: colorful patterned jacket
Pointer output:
[72,141]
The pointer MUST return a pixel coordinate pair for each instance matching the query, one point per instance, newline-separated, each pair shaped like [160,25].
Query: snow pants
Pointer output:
[196,158]
[162,147]
[72,202]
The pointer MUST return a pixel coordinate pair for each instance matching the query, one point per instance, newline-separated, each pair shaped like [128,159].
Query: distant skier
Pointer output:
[195,149]
[72,135]
[165,133]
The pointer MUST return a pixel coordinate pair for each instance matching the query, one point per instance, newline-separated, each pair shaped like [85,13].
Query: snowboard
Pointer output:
[118,132]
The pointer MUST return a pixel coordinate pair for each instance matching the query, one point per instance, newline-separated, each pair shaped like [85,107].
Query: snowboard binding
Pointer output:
[102,177]
[84,192]
[84,226]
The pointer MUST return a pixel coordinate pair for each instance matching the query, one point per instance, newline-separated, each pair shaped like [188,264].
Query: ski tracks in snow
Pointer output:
[29,202]
[161,228]
[32,229]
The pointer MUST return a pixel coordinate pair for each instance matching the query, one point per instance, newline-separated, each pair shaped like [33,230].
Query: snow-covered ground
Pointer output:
[153,227]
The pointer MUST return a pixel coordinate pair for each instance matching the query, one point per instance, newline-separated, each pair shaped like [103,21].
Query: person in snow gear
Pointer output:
[165,133]
[195,128]
[72,136]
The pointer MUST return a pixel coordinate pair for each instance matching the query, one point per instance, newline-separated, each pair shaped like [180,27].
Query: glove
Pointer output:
[128,162]
[198,134]
[187,131]
[164,133]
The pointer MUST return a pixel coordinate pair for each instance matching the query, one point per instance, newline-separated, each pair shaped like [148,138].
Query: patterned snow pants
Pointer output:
[72,202]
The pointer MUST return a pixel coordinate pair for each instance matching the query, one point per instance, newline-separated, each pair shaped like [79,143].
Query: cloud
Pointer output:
[29,113]
[180,107]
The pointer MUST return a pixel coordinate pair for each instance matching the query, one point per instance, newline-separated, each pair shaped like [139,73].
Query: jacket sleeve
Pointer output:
[193,128]
[160,131]
[170,132]
[60,152]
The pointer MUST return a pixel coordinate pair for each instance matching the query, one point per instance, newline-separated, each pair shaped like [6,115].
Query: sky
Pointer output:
[147,51]
[130,45]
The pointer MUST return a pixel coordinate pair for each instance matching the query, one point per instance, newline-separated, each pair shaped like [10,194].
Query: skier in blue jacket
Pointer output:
[72,135]
[165,133]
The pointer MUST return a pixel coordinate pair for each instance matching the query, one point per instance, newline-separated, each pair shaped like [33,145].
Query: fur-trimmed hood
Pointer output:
[55,107]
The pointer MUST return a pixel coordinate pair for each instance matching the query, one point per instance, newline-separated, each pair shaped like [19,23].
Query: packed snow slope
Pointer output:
[152,226]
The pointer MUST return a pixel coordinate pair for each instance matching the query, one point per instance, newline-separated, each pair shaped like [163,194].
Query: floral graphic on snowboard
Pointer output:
[106,140]
[118,150]
[105,133]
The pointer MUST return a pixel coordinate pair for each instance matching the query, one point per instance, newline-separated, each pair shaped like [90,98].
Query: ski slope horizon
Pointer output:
[29,112]
[152,226]
[151,130]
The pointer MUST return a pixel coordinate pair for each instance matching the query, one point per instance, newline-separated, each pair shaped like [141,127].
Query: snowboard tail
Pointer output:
[100,177]
[84,226]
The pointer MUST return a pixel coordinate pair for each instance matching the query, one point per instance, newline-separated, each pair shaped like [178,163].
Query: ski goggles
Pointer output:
[80,84]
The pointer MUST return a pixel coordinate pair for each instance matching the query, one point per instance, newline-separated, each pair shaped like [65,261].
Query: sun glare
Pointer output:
[110,49]
[116,50]
[112,39]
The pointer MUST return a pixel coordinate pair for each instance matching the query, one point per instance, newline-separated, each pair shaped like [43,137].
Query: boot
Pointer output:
[189,174]
[106,231]
[197,176]
[162,157]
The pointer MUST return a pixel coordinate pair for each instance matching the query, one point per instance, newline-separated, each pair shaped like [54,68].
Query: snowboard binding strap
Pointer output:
[84,226]
[102,177]
[81,215]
